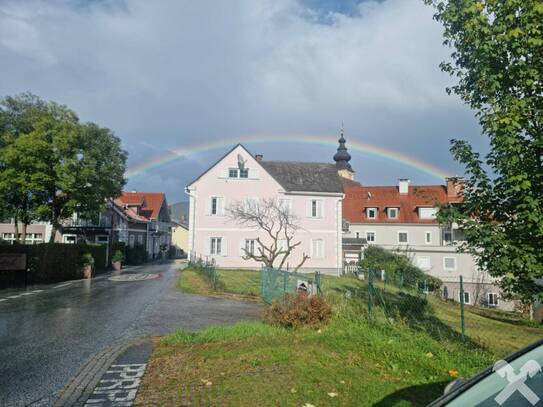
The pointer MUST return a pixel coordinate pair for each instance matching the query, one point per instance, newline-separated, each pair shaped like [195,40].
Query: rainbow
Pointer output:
[329,141]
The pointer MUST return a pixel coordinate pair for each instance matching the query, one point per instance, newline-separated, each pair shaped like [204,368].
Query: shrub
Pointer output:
[398,268]
[118,256]
[298,310]
[87,259]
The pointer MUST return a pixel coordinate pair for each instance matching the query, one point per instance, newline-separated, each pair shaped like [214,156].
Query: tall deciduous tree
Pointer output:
[498,63]
[69,167]
[19,192]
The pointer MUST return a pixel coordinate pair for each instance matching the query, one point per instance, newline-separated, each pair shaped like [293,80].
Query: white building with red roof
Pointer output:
[402,218]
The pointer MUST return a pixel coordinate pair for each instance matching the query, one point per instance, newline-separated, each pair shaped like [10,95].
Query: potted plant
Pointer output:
[117,260]
[87,261]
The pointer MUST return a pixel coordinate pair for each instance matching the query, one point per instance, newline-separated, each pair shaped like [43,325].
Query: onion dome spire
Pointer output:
[342,157]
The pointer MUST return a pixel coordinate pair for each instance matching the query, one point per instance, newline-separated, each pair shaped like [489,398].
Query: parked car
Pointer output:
[516,381]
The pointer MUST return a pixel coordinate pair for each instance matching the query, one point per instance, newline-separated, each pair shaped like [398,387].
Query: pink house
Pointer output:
[313,191]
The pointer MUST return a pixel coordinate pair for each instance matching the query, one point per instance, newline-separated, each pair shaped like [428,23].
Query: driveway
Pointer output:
[47,333]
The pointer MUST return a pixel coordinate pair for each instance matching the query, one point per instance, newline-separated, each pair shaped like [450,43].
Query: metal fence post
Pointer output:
[370,291]
[462,307]
[285,281]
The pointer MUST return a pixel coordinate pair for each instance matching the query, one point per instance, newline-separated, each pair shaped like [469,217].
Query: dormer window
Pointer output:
[392,213]
[371,213]
[427,213]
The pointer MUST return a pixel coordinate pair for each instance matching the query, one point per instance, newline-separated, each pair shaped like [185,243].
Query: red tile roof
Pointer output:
[358,198]
[150,202]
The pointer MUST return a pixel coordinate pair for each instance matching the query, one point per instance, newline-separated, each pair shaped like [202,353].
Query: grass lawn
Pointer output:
[354,360]
[241,284]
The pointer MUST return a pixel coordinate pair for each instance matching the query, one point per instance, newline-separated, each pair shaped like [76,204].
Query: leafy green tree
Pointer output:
[498,64]
[19,193]
[53,165]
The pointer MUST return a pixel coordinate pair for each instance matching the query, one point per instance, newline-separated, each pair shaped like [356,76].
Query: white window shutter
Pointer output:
[207,248]
[224,173]
[320,211]
[224,247]
[253,173]
[241,247]
[220,206]
[208,206]
[323,248]
[308,208]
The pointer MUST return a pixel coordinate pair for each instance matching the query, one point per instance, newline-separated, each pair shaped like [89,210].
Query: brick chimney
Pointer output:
[259,157]
[403,186]
[455,187]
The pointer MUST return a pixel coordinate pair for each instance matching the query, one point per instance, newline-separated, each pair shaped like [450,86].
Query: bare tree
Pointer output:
[277,222]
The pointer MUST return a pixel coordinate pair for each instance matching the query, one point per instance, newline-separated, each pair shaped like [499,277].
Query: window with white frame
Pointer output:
[449,263]
[216,206]
[317,248]
[286,204]
[492,299]
[357,235]
[315,208]
[427,213]
[215,247]
[102,239]
[424,263]
[132,240]
[233,173]
[250,246]
[282,244]
[428,237]
[33,238]
[70,239]
[393,213]
[371,213]
[244,173]
[8,237]
[447,235]
[403,237]
[466,297]
[140,239]
[370,237]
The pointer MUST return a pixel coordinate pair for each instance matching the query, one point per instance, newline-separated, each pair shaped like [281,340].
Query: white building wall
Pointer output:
[477,282]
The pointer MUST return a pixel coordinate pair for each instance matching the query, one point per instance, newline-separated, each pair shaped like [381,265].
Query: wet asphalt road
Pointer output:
[46,336]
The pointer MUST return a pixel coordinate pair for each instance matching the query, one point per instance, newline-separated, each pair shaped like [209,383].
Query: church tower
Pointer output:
[342,158]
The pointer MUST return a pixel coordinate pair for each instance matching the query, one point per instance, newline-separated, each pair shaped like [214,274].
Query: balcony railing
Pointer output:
[102,222]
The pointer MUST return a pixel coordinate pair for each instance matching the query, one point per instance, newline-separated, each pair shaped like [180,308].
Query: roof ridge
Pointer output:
[296,162]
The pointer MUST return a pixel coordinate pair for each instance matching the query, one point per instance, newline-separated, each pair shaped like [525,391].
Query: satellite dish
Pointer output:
[241,162]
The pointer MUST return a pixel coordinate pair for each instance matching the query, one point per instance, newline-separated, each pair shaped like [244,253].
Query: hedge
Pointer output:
[133,255]
[54,262]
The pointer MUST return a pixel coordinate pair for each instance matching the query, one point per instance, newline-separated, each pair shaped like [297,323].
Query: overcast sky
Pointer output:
[169,74]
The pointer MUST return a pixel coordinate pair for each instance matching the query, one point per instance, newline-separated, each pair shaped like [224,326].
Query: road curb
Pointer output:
[82,385]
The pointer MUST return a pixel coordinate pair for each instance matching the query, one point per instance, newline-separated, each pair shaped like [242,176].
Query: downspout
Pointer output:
[192,218]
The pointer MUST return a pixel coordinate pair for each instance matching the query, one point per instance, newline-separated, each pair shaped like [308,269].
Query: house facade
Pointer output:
[146,222]
[312,192]
[134,218]
[180,238]
[403,218]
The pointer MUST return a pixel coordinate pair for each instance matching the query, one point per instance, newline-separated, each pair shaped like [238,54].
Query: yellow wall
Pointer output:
[180,237]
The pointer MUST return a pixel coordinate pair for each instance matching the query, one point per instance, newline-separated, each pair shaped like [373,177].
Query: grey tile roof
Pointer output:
[303,176]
